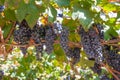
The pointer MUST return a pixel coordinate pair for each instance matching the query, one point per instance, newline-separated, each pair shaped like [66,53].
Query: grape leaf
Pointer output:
[10,14]
[52,14]
[2,2]
[22,11]
[6,30]
[72,24]
[85,17]
[62,2]
[33,15]
[13,4]
[84,62]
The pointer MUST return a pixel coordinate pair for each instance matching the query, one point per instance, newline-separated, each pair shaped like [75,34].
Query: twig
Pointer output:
[112,41]
[115,71]
[20,45]
[110,71]
[1,36]
[71,44]
[10,33]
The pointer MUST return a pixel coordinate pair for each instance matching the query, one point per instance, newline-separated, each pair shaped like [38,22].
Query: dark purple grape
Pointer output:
[38,34]
[104,77]
[22,35]
[96,68]
[86,43]
[39,50]
[49,38]
[113,59]
[24,50]
[75,55]
[100,30]
[1,74]
[2,8]
[96,44]
[64,42]
[57,28]
[90,41]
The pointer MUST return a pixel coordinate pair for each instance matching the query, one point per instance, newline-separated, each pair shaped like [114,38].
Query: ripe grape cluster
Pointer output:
[49,38]
[72,53]
[112,58]
[1,74]
[90,41]
[85,41]
[75,55]
[97,68]
[64,41]
[2,8]
[22,35]
[38,34]
[42,35]
[105,77]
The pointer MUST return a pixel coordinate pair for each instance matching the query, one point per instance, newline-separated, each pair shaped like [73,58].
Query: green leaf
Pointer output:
[50,19]
[98,1]
[2,2]
[32,19]
[63,2]
[13,4]
[2,21]
[53,14]
[6,29]
[84,62]
[82,11]
[111,22]
[10,15]
[108,7]
[70,23]
[53,11]
[33,15]
[60,55]
[110,33]
[22,11]
[107,36]
[85,17]
[67,67]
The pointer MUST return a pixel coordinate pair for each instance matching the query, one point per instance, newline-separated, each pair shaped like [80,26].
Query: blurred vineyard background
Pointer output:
[16,65]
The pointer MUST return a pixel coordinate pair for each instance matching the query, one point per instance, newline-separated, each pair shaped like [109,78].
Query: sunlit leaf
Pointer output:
[63,2]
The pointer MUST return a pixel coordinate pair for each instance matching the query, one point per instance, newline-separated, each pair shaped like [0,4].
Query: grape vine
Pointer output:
[22,35]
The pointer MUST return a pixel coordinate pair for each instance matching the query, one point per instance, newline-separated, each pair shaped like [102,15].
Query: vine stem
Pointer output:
[115,71]
[1,36]
[10,33]
[71,44]
[107,67]
[2,47]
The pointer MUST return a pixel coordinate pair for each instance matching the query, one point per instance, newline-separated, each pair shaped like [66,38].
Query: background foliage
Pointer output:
[54,66]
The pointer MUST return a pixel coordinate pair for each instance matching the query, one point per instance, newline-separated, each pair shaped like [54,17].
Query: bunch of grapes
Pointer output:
[38,35]
[105,77]
[57,28]
[64,42]
[90,41]
[22,35]
[72,53]
[1,74]
[100,30]
[49,38]
[75,55]
[113,59]
[2,8]
[95,44]
[86,43]
[97,68]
